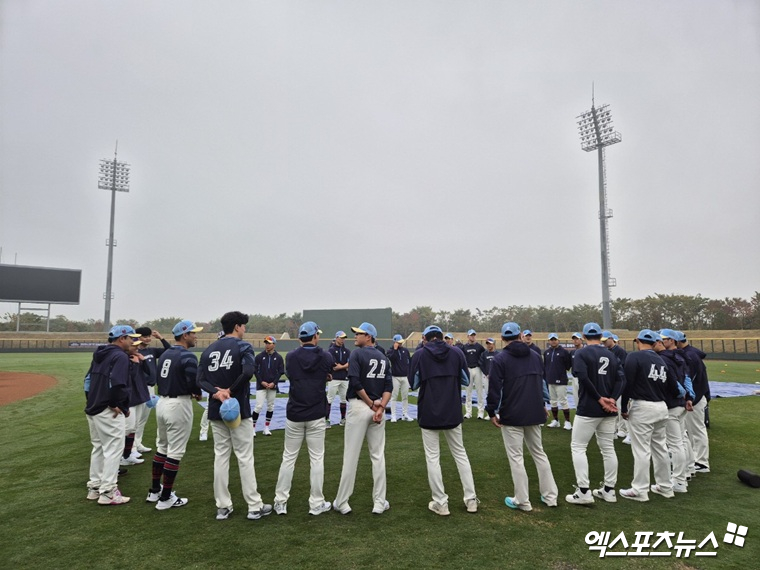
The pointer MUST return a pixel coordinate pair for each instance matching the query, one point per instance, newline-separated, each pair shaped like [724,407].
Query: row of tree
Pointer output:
[685,312]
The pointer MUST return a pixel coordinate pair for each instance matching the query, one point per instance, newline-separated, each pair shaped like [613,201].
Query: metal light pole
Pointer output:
[114,176]
[596,132]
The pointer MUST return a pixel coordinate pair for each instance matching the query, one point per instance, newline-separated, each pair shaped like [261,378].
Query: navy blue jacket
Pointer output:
[400,360]
[150,357]
[369,369]
[138,387]
[599,375]
[268,368]
[516,386]
[698,372]
[647,378]
[620,353]
[438,371]
[485,360]
[676,369]
[472,353]
[534,347]
[227,363]
[557,362]
[109,380]
[307,368]
[340,355]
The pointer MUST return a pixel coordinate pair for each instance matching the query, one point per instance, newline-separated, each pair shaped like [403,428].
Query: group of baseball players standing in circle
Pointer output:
[656,395]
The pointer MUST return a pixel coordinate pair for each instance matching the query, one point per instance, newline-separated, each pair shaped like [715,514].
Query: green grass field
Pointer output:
[48,523]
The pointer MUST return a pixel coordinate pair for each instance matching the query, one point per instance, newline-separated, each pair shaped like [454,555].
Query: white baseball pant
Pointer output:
[400,385]
[295,433]
[695,425]
[107,439]
[647,424]
[583,429]
[431,443]
[513,437]
[239,440]
[674,440]
[174,421]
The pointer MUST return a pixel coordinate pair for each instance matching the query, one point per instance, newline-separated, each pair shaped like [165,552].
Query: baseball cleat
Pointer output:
[172,501]
[627,440]
[280,508]
[554,424]
[607,496]
[113,497]
[440,509]
[266,431]
[467,416]
[633,495]
[262,512]
[568,426]
[580,498]
[667,493]
[547,503]
[131,460]
[513,504]
[407,418]
[680,488]
[379,510]
[223,514]
[203,437]
[153,496]
[142,449]
[323,508]
[93,494]
[342,421]
[472,505]
[699,468]
[342,510]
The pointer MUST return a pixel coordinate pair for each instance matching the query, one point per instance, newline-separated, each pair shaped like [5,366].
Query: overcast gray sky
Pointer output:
[343,154]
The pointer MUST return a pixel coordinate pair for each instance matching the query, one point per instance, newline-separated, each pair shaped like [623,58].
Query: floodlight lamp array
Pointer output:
[113,176]
[595,128]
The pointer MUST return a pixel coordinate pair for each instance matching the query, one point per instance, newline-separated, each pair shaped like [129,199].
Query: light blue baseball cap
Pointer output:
[510,330]
[592,329]
[527,332]
[398,338]
[648,335]
[309,328]
[606,335]
[679,336]
[577,335]
[366,328]
[553,335]
[340,334]
[185,326]
[471,331]
[119,331]
[152,402]
[615,337]
[668,333]
[432,329]
[230,412]
[449,335]
[489,340]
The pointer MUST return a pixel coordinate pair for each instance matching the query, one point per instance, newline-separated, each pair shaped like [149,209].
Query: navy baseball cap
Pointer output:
[591,329]
[366,328]
[119,331]
[648,335]
[606,335]
[398,338]
[230,412]
[340,334]
[449,335]
[510,330]
[309,328]
[471,331]
[489,340]
[432,329]
[185,326]
[553,335]
[577,335]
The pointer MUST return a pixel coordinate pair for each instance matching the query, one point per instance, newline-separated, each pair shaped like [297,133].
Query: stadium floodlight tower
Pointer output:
[596,132]
[114,176]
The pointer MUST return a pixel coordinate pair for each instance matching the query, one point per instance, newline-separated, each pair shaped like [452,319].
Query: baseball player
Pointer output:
[225,372]
[106,388]
[339,383]
[557,362]
[269,368]
[472,351]
[646,391]
[138,396]
[528,338]
[369,389]
[695,422]
[308,369]
[177,370]
[601,381]
[516,406]
[438,371]
[147,374]
[204,424]
[577,340]
[678,407]
[400,359]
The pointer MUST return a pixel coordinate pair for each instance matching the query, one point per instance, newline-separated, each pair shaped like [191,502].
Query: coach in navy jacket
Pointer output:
[438,371]
[516,406]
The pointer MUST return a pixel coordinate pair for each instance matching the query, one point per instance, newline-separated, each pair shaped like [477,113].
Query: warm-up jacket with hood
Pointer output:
[109,380]
[438,371]
[400,360]
[516,386]
[307,367]
[677,369]
[698,372]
